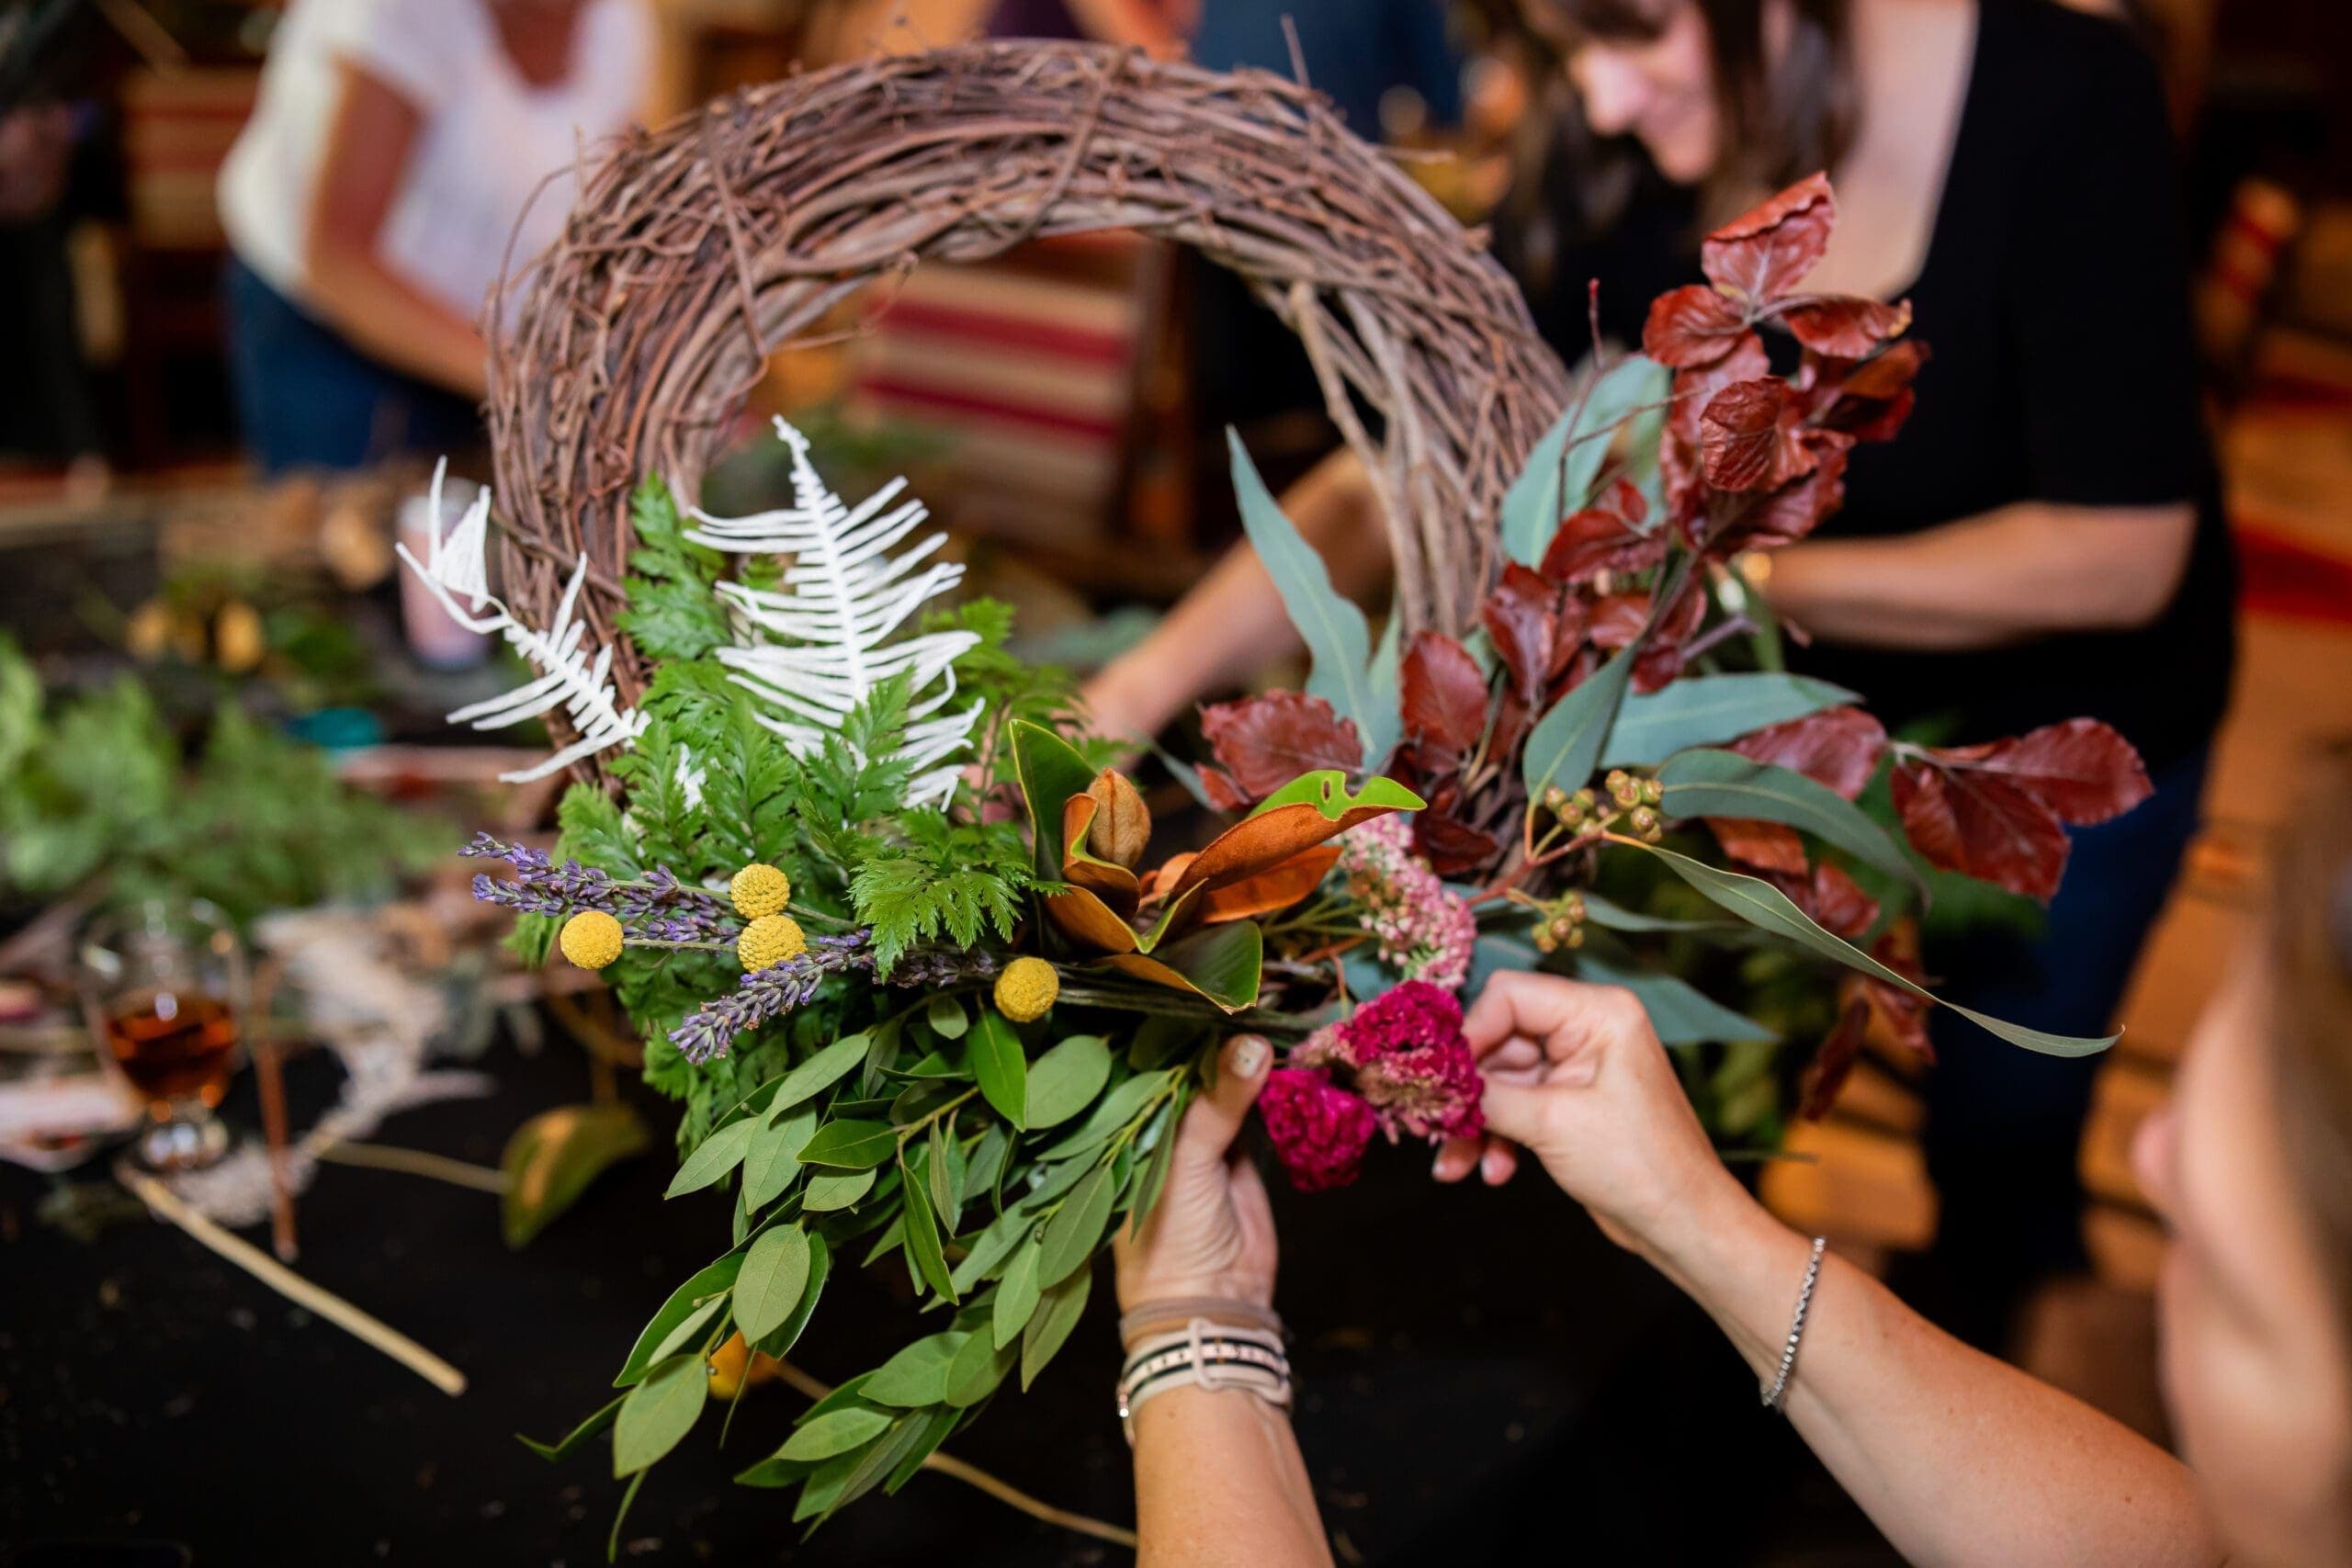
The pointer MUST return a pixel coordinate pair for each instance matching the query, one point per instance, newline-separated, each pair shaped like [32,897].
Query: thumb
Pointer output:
[1213,1119]
[1515,1111]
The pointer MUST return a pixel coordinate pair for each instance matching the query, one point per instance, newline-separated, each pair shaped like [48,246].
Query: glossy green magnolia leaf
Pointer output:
[713,1280]
[1567,458]
[1680,1012]
[773,1159]
[775,1277]
[1016,1297]
[851,1144]
[658,1411]
[1051,771]
[1065,1080]
[1070,1237]
[818,1074]
[1338,638]
[1326,790]
[1765,908]
[1057,1313]
[571,1442]
[553,1158]
[1223,962]
[1000,1067]
[1725,783]
[1708,710]
[835,1432]
[713,1158]
[917,1375]
[1564,747]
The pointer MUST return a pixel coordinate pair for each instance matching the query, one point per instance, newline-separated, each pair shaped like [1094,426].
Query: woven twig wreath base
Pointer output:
[700,248]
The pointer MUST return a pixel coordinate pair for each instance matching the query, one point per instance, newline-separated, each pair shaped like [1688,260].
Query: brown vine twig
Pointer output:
[623,355]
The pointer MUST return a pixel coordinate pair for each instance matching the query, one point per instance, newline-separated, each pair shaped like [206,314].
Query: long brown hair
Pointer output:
[1783,113]
[2310,1015]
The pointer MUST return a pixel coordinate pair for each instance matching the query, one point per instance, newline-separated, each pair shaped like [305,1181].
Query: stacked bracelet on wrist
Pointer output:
[1205,1352]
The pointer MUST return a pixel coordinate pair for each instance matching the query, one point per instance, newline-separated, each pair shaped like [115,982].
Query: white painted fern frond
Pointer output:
[816,646]
[570,677]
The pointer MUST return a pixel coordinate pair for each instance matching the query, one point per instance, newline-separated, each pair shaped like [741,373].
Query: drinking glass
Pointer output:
[163,988]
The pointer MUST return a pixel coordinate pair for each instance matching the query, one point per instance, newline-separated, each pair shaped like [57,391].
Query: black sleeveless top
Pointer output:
[2054,298]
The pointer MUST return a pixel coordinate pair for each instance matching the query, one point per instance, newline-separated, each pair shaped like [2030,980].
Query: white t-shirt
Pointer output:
[486,139]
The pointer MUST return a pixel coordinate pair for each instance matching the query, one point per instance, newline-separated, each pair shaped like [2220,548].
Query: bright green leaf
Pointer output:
[1565,746]
[1016,1297]
[923,1235]
[946,1017]
[1725,783]
[713,1158]
[1557,477]
[830,1194]
[978,1367]
[1708,710]
[917,1374]
[776,1274]
[1000,1067]
[851,1144]
[715,1279]
[658,1411]
[1057,1313]
[1338,638]
[1072,1235]
[833,1433]
[773,1159]
[819,1073]
[1065,1079]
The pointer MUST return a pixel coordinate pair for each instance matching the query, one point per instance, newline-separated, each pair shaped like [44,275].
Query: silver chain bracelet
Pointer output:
[1796,1325]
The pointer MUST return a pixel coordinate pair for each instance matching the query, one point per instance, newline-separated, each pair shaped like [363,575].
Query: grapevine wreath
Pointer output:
[897,933]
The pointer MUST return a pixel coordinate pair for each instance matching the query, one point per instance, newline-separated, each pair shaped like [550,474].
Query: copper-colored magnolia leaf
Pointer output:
[1268,890]
[1693,325]
[1838,746]
[1090,922]
[1444,693]
[1266,741]
[1765,252]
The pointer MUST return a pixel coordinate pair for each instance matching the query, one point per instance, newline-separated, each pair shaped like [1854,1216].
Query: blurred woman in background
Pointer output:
[2044,539]
[397,149]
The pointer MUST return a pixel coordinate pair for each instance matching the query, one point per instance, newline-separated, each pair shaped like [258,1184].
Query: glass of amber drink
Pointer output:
[163,988]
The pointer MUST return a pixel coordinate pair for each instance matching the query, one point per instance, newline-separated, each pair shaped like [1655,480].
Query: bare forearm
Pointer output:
[2022,571]
[1219,1484]
[1233,621]
[1961,1460]
[388,317]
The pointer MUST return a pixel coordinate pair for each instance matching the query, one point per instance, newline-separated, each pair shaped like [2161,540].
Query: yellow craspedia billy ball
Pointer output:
[591,938]
[768,942]
[759,889]
[1026,989]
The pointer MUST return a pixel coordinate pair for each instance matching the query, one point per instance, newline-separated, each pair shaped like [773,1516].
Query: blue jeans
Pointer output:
[307,398]
[2004,1126]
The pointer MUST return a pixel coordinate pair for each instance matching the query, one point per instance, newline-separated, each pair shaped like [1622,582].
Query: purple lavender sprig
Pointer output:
[658,906]
[709,1032]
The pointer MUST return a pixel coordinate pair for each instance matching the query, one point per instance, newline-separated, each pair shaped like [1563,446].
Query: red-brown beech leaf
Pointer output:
[1755,522]
[1453,848]
[1997,810]
[1834,1061]
[1605,536]
[1679,445]
[1661,662]
[1844,324]
[1886,374]
[1223,792]
[1617,619]
[1267,741]
[1443,694]
[1766,252]
[1767,846]
[1693,325]
[1838,748]
[1523,618]
[1748,437]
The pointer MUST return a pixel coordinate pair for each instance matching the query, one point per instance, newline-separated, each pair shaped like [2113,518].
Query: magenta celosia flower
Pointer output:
[1412,1062]
[1318,1129]
[1423,931]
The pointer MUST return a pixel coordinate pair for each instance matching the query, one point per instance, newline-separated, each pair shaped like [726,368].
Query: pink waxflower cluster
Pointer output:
[1411,1072]
[1424,933]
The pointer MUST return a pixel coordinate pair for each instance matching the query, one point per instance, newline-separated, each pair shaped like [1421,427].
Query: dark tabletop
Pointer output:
[1483,1379]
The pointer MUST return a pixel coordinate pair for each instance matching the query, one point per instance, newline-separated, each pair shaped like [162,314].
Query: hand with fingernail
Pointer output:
[1576,1075]
[1211,1235]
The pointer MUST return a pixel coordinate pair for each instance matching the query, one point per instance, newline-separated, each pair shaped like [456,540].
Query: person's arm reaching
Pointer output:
[2032,569]
[1959,1461]
[1219,1482]
[1233,621]
[368,144]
